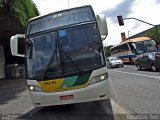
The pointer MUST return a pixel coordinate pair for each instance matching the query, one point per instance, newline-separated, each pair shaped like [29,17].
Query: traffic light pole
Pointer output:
[140,21]
[146,23]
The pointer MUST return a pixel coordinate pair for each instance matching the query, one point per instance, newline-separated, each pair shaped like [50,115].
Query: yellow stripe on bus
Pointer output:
[51,85]
[56,85]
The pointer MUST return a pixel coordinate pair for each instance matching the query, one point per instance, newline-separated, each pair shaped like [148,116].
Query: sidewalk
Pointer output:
[14,96]
[8,82]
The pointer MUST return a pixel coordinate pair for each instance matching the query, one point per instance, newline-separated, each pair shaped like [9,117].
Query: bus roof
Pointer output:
[40,16]
[136,39]
[133,40]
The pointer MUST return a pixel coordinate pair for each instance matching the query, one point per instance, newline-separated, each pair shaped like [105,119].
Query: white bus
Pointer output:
[129,49]
[65,61]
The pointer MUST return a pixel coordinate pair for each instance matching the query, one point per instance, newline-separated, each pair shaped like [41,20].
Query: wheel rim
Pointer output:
[153,67]
[138,66]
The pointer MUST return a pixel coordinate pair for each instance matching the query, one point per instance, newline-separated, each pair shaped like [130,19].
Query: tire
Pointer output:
[139,67]
[153,67]
[131,61]
[108,66]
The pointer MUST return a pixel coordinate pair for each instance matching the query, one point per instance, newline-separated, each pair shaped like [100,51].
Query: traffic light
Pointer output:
[120,20]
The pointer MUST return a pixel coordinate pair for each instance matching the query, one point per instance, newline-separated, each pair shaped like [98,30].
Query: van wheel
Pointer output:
[153,67]
[139,67]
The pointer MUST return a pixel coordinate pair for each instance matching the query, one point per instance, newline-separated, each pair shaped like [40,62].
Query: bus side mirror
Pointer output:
[17,45]
[102,24]
[134,45]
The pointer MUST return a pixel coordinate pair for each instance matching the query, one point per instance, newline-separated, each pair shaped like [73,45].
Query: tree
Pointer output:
[22,10]
[107,50]
[154,34]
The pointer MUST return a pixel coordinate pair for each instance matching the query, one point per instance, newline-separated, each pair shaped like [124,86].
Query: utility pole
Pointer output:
[128,33]
[68,3]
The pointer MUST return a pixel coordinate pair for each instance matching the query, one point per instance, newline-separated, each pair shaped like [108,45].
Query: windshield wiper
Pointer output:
[73,63]
[62,61]
[51,60]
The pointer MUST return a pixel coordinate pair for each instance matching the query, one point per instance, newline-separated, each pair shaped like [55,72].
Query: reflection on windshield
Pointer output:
[82,46]
[114,59]
[63,18]
[43,48]
[66,51]
[151,55]
[145,46]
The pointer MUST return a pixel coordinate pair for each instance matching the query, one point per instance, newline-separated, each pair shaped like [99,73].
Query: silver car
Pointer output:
[114,62]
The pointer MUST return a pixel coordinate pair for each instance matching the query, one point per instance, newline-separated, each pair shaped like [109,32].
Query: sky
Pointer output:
[146,10]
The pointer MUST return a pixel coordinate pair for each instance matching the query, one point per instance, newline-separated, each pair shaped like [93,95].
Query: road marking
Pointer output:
[137,74]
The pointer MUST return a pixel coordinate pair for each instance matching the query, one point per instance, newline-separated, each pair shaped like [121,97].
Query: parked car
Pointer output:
[146,60]
[157,60]
[114,62]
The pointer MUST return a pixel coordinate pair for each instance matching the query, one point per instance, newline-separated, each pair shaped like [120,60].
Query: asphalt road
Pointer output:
[139,91]
[14,96]
[15,103]
[81,111]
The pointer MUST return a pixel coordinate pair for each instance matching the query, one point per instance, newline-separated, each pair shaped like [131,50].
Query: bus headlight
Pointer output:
[35,88]
[98,78]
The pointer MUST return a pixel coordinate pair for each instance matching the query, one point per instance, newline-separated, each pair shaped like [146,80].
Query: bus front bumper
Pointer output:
[94,92]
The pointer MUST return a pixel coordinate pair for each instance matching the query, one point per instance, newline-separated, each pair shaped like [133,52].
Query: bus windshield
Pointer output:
[145,46]
[59,19]
[64,52]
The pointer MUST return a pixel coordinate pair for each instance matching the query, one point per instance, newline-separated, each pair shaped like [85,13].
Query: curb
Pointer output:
[114,108]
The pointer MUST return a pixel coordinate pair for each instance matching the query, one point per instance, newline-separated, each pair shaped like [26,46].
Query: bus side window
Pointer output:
[132,47]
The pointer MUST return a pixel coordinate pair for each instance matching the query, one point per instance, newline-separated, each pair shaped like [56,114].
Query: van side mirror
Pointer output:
[102,24]
[17,45]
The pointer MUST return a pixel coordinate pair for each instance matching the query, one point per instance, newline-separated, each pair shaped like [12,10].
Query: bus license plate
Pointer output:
[66,97]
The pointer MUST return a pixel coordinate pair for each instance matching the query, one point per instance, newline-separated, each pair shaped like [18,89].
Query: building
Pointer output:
[14,15]
[143,33]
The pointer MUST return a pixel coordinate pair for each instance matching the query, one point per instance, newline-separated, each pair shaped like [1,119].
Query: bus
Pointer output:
[129,49]
[65,61]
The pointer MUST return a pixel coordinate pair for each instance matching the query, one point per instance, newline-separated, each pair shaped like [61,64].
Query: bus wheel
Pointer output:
[131,61]
[139,67]
[153,67]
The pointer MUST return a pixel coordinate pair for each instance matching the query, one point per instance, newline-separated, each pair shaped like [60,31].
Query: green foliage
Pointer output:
[2,3]
[154,34]
[23,10]
[107,50]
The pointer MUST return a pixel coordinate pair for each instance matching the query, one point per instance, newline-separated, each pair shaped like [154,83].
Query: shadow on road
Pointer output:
[81,111]
[10,88]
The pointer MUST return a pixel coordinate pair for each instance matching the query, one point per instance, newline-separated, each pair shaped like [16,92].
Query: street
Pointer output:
[15,103]
[137,91]
[14,96]
[76,60]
